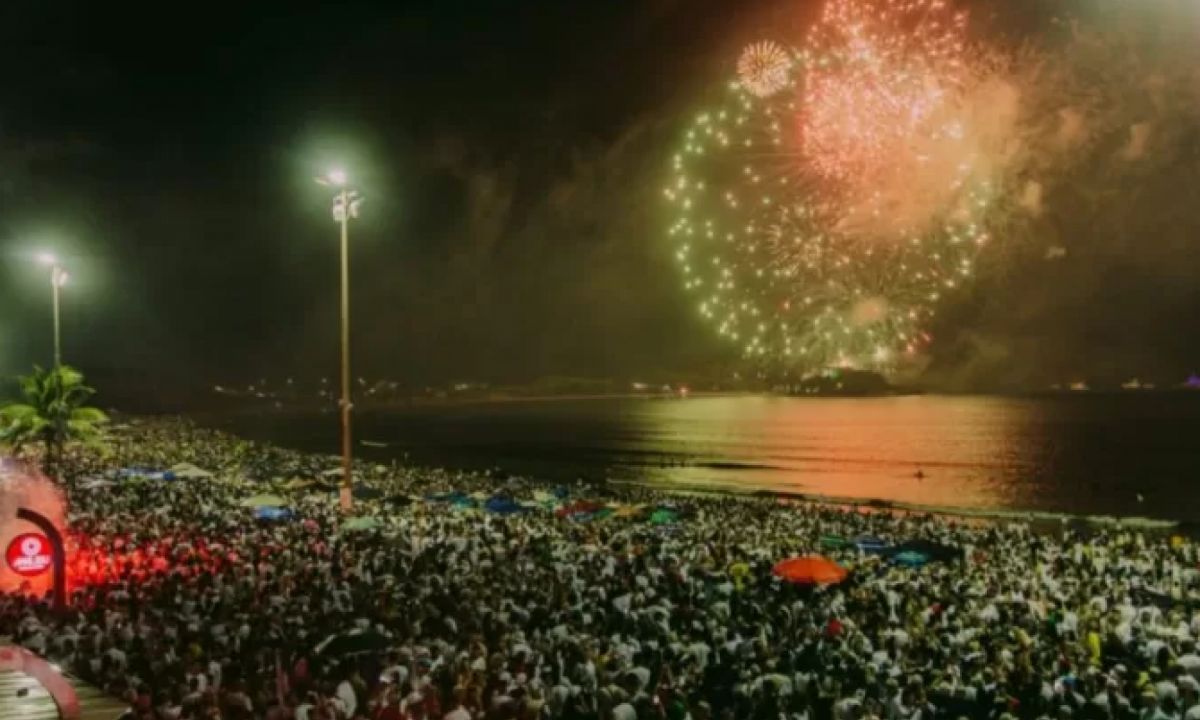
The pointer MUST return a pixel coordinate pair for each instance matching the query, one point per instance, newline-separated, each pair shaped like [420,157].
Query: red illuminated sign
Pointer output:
[29,554]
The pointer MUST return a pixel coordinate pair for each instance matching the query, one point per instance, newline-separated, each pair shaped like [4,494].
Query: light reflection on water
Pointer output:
[1078,454]
[868,448]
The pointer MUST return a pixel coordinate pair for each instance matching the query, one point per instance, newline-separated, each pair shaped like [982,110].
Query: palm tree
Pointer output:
[52,412]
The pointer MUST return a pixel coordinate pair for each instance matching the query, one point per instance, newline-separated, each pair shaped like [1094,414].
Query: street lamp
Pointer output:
[345,206]
[58,278]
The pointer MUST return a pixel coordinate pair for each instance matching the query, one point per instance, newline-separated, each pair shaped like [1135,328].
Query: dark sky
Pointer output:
[511,154]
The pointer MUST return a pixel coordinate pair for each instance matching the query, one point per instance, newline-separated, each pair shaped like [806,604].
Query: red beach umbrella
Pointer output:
[809,570]
[580,507]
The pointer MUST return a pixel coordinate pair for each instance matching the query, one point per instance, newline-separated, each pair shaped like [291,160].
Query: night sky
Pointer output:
[511,155]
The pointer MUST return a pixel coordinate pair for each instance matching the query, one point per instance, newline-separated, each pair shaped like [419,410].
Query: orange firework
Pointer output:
[879,79]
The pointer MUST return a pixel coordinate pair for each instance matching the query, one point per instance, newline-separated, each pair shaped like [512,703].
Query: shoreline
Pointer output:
[1133,522]
[996,514]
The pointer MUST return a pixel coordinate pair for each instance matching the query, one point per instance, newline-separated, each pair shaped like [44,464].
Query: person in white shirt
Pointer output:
[1188,659]
[346,697]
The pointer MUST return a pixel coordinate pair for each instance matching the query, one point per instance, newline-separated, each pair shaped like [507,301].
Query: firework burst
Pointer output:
[763,251]
[880,73]
[763,68]
[820,223]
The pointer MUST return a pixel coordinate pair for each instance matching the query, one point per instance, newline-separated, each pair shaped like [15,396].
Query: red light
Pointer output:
[29,554]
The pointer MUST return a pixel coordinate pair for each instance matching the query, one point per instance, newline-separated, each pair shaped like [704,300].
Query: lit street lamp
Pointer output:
[345,206]
[58,278]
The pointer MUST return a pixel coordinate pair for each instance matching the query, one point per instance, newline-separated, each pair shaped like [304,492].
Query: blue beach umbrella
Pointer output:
[870,544]
[501,505]
[910,558]
[145,473]
[272,513]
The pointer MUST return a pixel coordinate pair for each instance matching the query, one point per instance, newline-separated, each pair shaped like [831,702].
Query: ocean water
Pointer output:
[1120,454]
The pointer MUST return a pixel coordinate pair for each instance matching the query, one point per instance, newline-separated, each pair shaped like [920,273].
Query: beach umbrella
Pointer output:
[629,511]
[542,496]
[501,505]
[910,558]
[360,524]
[142,473]
[188,471]
[832,542]
[365,492]
[95,484]
[870,544]
[298,483]
[663,516]
[809,570]
[272,513]
[352,643]
[450,497]
[935,551]
[579,507]
[265,500]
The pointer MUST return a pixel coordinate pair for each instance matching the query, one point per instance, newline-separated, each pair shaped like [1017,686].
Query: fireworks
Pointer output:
[762,252]
[820,223]
[881,73]
[763,68]
[898,115]
[829,204]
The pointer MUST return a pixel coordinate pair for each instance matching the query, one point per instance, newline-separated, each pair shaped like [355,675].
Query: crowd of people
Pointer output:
[191,606]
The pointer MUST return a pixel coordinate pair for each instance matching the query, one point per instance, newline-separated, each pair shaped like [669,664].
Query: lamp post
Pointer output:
[345,206]
[58,278]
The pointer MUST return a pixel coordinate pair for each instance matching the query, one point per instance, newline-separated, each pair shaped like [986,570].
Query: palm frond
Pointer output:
[53,412]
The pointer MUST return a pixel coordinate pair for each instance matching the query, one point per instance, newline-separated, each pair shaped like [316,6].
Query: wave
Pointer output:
[1135,522]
